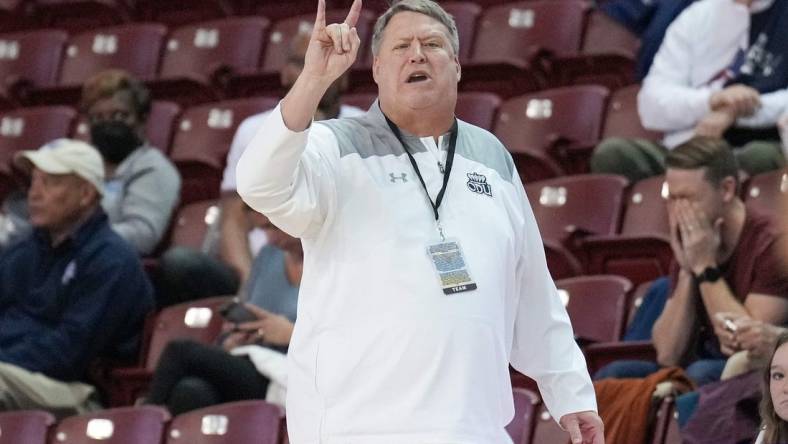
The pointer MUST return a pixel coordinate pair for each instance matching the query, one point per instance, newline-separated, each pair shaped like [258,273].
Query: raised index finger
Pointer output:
[353,14]
[320,18]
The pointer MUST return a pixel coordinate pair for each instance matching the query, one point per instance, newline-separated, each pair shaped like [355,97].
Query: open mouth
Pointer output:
[417,77]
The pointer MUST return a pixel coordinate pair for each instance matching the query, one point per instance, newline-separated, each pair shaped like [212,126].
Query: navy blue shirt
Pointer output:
[62,307]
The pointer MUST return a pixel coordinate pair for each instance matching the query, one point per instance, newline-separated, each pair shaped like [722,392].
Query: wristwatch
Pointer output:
[710,274]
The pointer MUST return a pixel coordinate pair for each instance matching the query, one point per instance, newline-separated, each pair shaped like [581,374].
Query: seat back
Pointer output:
[202,140]
[126,425]
[478,108]
[516,31]
[179,12]
[547,431]
[465,16]
[581,204]
[525,405]
[230,423]
[603,36]
[198,321]
[31,58]
[202,50]
[192,222]
[645,210]
[766,190]
[28,427]
[134,48]
[78,15]
[597,306]
[622,119]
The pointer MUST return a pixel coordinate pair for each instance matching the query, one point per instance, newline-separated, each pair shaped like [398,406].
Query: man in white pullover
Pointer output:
[424,273]
[722,71]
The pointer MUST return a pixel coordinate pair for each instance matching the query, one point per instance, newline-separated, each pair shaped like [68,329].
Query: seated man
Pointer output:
[704,84]
[726,261]
[187,274]
[70,292]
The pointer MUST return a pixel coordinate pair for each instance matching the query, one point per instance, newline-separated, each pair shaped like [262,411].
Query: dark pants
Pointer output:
[186,275]
[192,375]
[701,372]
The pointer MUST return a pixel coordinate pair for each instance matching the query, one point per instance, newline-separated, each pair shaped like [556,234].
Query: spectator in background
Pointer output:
[774,406]
[726,261]
[142,186]
[70,292]
[187,274]
[191,375]
[712,83]
[647,19]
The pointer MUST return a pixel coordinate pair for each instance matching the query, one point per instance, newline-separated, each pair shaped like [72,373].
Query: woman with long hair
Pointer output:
[774,404]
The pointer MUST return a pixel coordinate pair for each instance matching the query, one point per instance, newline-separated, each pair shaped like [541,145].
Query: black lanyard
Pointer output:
[449,162]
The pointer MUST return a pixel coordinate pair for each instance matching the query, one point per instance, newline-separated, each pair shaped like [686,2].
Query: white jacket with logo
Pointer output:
[379,354]
[699,44]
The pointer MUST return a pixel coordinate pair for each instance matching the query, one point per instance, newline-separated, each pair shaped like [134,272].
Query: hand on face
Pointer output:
[333,48]
[715,123]
[700,239]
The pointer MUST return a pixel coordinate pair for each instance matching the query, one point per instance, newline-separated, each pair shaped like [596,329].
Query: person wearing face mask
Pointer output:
[142,186]
[721,71]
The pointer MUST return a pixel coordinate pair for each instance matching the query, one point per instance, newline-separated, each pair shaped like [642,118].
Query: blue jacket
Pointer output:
[62,307]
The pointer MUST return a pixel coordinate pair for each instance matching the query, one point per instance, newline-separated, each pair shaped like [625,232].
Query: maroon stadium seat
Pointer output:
[200,59]
[180,12]
[191,223]
[14,15]
[465,16]
[513,41]
[128,425]
[478,108]
[597,306]
[29,60]
[25,427]
[231,423]
[197,320]
[135,48]
[641,250]
[666,426]
[158,128]
[622,119]
[29,129]
[78,15]
[277,11]
[571,207]
[599,355]
[359,100]
[561,262]
[764,191]
[546,430]
[525,404]
[202,140]
[552,132]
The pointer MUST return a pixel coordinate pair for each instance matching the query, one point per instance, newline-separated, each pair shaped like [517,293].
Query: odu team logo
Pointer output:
[478,184]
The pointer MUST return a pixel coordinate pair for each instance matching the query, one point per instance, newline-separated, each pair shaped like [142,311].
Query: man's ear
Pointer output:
[729,188]
[459,68]
[375,68]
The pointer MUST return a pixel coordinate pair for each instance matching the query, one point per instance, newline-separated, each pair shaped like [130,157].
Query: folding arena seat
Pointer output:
[28,427]
[78,15]
[158,128]
[622,119]
[180,12]
[641,249]
[359,100]
[28,60]
[196,320]
[551,133]
[465,16]
[515,41]
[546,429]
[666,426]
[764,191]
[277,11]
[200,59]
[570,208]
[478,108]
[231,423]
[597,306]
[128,425]
[29,129]
[202,139]
[13,15]
[192,222]
[561,262]
[133,47]
[266,79]
[525,404]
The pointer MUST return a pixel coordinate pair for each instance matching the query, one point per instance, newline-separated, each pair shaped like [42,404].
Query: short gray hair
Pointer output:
[426,7]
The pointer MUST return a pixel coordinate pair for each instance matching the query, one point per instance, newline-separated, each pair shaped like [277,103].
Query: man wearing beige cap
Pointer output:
[70,292]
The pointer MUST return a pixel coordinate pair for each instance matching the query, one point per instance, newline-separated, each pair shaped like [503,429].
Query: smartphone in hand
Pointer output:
[236,312]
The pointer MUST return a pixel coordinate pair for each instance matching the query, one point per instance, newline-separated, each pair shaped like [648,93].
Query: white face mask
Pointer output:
[760,5]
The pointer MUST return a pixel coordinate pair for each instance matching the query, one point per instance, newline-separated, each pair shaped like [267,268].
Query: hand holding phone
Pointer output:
[236,312]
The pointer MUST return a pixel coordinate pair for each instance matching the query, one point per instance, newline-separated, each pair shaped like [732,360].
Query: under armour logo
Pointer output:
[403,177]
[478,184]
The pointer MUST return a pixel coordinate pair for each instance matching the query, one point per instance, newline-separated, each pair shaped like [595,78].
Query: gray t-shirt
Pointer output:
[268,287]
